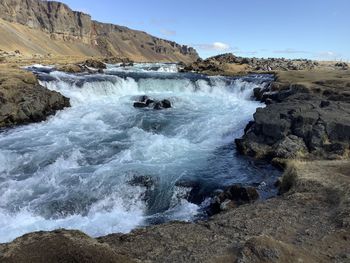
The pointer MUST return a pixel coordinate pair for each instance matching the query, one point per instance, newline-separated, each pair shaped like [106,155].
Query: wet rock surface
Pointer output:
[232,197]
[147,102]
[23,100]
[87,66]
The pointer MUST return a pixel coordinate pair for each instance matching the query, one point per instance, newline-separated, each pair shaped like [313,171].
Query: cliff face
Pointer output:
[60,23]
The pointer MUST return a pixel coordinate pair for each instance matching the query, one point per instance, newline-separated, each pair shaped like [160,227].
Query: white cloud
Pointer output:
[216,46]
[247,53]
[167,32]
[328,55]
[290,51]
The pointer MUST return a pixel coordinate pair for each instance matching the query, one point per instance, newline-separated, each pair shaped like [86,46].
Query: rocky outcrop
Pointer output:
[60,23]
[232,197]
[23,100]
[266,64]
[300,121]
[227,64]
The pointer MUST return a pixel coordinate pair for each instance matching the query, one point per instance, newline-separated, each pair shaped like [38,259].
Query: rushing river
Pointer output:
[82,168]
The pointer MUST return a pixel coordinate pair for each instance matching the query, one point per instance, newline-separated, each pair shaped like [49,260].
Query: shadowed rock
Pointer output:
[232,197]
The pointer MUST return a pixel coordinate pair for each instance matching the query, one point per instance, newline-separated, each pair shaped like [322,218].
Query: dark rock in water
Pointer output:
[166,104]
[148,182]
[138,104]
[145,101]
[59,208]
[232,197]
[91,63]
[127,64]
[157,105]
[143,98]
[149,102]
[195,195]
[143,181]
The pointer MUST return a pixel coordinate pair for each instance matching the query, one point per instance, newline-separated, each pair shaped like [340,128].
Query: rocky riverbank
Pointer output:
[308,223]
[307,116]
[23,100]
[305,129]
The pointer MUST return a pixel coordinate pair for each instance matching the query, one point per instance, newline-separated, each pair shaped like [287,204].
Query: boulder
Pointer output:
[144,102]
[298,126]
[92,63]
[23,100]
[232,197]
[70,68]
[138,104]
[166,104]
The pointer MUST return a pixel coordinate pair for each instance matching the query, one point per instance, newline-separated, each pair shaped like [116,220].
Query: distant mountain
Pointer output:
[42,27]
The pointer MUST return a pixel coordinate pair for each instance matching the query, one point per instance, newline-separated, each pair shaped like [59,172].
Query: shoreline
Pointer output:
[313,191]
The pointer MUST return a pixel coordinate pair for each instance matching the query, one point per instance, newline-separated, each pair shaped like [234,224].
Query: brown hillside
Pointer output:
[43,27]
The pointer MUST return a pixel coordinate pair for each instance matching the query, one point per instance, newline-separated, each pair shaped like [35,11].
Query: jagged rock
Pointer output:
[290,147]
[217,64]
[232,197]
[23,100]
[166,104]
[142,180]
[144,101]
[138,104]
[298,124]
[92,63]
[70,68]
[342,65]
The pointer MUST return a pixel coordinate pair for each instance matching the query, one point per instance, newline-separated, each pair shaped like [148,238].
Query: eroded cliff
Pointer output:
[27,24]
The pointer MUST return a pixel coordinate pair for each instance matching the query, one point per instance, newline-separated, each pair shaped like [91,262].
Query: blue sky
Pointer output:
[316,29]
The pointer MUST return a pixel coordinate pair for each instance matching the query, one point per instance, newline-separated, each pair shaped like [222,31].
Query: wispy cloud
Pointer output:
[161,22]
[290,51]
[328,55]
[249,53]
[216,46]
[167,32]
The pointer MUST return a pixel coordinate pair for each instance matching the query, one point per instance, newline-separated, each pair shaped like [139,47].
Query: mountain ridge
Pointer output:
[55,22]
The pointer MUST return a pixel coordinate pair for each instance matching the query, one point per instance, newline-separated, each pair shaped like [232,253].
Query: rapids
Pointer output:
[75,170]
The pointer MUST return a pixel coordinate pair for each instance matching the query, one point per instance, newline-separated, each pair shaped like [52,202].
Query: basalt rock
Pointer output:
[92,63]
[23,100]
[146,102]
[297,123]
[232,197]
[218,64]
